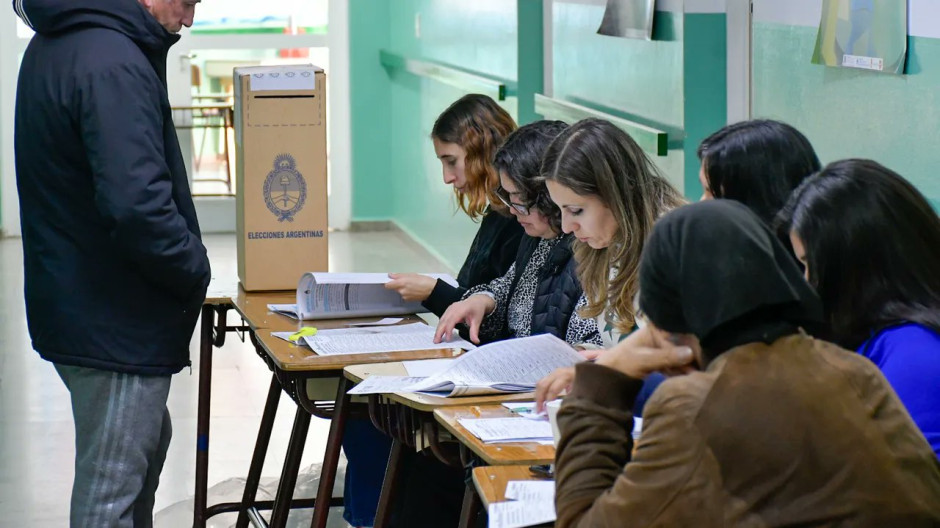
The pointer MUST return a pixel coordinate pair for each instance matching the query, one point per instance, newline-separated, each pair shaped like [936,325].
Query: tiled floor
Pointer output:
[36,432]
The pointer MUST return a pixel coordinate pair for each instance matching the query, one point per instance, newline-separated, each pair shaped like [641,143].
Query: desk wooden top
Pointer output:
[426,402]
[493,454]
[295,358]
[491,481]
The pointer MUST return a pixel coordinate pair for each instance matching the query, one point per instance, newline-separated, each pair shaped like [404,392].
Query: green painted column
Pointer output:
[705,79]
[531,62]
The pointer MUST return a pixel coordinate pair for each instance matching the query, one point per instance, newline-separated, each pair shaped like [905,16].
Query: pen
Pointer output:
[305,331]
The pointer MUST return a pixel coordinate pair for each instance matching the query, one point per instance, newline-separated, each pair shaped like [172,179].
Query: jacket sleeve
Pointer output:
[495,324]
[442,296]
[122,128]
[600,484]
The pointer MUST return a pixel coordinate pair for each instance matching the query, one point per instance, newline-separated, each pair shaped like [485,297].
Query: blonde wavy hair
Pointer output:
[595,158]
[478,125]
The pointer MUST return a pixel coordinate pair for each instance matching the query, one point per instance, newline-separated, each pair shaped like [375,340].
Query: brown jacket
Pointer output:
[797,433]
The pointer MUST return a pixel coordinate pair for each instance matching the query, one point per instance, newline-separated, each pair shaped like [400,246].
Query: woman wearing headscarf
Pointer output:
[776,429]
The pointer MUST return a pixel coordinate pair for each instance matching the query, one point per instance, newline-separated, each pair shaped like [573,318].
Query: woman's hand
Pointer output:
[639,362]
[550,387]
[470,311]
[411,286]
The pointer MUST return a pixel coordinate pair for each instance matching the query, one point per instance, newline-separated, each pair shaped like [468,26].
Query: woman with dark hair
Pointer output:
[466,136]
[539,292]
[778,429]
[757,163]
[871,245]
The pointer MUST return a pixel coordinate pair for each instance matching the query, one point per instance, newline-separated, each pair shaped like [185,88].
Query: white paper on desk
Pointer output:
[517,514]
[337,295]
[426,367]
[382,384]
[290,310]
[377,339]
[511,429]
[513,365]
[286,337]
[381,322]
[530,490]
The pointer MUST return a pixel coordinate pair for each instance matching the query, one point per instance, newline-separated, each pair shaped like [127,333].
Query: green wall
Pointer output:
[849,113]
[395,173]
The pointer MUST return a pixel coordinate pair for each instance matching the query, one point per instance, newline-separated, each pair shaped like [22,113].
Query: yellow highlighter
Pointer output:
[305,331]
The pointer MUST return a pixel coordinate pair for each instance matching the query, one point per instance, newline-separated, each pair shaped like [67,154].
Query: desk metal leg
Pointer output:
[261,450]
[334,444]
[471,507]
[295,450]
[202,417]
[389,485]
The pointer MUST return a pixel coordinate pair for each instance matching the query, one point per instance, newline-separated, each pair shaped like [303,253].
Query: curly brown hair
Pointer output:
[478,125]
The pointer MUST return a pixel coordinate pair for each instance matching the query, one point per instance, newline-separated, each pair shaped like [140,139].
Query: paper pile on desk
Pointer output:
[376,339]
[508,429]
[513,365]
[530,502]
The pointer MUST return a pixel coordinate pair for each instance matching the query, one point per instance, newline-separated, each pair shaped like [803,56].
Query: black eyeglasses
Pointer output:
[504,197]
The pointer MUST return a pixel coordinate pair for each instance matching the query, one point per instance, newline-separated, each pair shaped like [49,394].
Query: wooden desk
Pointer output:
[292,366]
[490,481]
[403,416]
[527,453]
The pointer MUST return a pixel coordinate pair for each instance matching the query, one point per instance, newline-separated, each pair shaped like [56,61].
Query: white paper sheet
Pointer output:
[513,365]
[382,384]
[290,310]
[512,429]
[367,340]
[381,322]
[286,337]
[530,490]
[517,514]
[426,367]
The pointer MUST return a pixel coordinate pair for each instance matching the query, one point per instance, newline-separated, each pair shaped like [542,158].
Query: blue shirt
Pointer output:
[909,357]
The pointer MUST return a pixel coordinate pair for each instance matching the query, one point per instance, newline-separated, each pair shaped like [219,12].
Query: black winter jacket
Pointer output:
[115,268]
[492,252]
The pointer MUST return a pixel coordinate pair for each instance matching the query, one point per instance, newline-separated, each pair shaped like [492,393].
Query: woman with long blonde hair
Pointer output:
[610,195]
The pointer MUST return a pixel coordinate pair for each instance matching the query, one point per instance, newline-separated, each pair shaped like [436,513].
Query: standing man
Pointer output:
[115,268]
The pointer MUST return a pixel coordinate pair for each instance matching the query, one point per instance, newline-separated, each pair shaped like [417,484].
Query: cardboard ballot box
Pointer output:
[281,201]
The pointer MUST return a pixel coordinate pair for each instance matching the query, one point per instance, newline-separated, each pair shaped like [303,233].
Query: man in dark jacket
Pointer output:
[114,264]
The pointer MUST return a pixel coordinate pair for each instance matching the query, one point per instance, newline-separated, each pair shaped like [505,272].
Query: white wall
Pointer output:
[10,49]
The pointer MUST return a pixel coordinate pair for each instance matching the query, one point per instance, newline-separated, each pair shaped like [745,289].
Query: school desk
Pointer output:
[491,481]
[292,367]
[409,420]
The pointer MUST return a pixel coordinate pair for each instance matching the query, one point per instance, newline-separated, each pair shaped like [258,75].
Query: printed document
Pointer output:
[374,339]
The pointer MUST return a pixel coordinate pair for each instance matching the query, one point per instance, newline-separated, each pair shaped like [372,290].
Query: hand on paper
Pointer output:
[550,387]
[639,362]
[470,311]
[411,286]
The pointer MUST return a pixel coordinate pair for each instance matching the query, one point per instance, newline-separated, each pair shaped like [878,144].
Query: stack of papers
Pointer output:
[510,429]
[513,365]
[375,339]
[530,502]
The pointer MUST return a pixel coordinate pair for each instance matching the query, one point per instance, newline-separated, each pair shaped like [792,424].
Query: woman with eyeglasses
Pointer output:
[466,136]
[539,292]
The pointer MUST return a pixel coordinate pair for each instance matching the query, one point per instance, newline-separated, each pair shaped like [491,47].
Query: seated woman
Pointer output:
[610,194]
[539,292]
[757,163]
[871,245]
[778,429]
[466,136]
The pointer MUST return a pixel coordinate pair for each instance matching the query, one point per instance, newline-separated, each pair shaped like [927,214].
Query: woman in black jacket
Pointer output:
[466,137]
[540,290]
